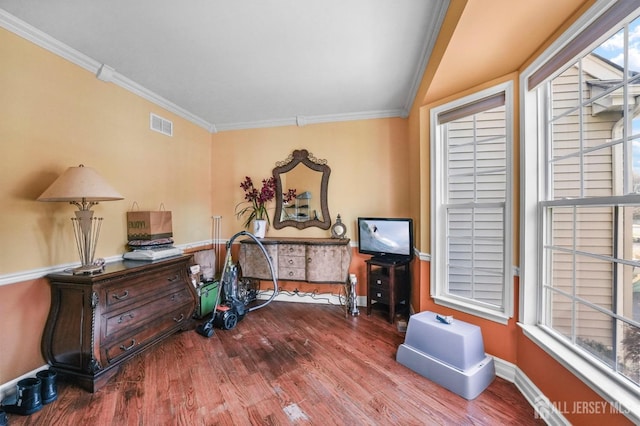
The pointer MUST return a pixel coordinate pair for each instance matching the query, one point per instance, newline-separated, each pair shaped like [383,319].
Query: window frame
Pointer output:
[622,394]
[438,286]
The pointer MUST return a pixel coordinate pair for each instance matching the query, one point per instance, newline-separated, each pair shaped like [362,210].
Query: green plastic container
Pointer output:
[207,298]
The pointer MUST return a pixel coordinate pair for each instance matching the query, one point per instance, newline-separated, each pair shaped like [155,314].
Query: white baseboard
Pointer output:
[304,297]
[505,369]
[543,408]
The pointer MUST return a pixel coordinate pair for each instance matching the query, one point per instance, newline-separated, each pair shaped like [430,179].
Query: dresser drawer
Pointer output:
[291,250]
[380,295]
[291,262]
[295,274]
[143,313]
[141,286]
[379,281]
[126,345]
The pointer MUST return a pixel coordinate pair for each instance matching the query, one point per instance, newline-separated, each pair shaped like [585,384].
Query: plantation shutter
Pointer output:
[475,185]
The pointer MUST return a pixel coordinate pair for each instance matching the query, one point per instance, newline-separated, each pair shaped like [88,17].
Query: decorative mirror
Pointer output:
[309,177]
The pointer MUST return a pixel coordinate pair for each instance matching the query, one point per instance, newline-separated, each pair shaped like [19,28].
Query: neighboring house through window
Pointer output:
[580,251]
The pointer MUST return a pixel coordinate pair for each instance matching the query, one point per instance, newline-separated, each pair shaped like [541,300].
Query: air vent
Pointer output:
[161,125]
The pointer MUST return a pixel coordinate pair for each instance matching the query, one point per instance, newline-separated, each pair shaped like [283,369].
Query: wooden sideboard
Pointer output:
[314,260]
[97,322]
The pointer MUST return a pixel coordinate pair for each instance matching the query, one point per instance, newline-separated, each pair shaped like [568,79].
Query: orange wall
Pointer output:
[562,387]
[494,26]
[56,115]
[367,159]
[24,309]
[369,176]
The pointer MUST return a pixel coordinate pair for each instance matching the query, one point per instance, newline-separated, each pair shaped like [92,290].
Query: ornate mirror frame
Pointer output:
[305,157]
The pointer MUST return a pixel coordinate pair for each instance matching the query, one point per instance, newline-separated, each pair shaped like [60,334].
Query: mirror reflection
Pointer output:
[306,204]
[306,177]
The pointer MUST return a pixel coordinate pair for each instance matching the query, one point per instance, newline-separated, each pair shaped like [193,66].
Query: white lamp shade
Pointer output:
[80,184]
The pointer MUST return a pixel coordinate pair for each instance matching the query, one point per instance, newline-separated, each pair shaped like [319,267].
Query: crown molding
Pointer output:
[39,38]
[300,120]
[147,94]
[365,115]
[436,22]
[45,41]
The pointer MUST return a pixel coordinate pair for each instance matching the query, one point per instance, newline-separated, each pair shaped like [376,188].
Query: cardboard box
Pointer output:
[207,261]
[149,225]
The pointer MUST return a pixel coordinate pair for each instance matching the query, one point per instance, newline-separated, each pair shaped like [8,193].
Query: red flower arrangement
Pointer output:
[257,200]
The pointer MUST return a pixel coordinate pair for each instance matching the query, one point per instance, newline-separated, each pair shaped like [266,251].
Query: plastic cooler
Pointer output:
[451,355]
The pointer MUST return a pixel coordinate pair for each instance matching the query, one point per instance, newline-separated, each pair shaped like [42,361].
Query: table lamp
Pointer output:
[83,187]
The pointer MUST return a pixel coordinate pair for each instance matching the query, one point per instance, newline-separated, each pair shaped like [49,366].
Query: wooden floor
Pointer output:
[287,363]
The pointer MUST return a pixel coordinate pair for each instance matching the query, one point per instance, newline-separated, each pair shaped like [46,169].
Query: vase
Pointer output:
[259,228]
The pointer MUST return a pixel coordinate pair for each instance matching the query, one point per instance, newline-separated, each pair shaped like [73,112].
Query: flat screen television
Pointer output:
[386,238]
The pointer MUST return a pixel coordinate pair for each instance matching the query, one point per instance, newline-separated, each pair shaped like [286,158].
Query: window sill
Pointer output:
[468,308]
[622,396]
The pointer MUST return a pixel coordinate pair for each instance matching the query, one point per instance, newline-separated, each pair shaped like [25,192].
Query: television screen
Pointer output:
[392,237]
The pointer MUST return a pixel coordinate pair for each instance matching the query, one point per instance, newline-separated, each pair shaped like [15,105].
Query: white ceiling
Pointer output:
[246,63]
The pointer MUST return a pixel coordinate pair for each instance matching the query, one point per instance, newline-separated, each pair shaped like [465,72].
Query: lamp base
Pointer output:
[88,269]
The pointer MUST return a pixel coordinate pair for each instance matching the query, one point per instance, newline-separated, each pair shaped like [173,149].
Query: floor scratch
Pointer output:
[295,413]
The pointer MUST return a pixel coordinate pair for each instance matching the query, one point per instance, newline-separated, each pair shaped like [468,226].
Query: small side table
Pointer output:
[388,283]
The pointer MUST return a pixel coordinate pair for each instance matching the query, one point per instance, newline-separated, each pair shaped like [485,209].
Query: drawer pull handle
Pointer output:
[127,348]
[173,279]
[123,316]
[378,282]
[290,261]
[290,273]
[121,296]
[379,294]
[179,319]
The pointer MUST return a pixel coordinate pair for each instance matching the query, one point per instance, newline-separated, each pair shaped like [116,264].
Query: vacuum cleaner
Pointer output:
[232,309]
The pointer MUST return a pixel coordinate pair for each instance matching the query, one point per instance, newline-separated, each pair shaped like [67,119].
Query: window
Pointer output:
[580,252]
[471,199]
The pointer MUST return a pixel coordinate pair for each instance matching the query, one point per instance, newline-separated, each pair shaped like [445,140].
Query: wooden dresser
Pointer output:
[97,322]
[314,260]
